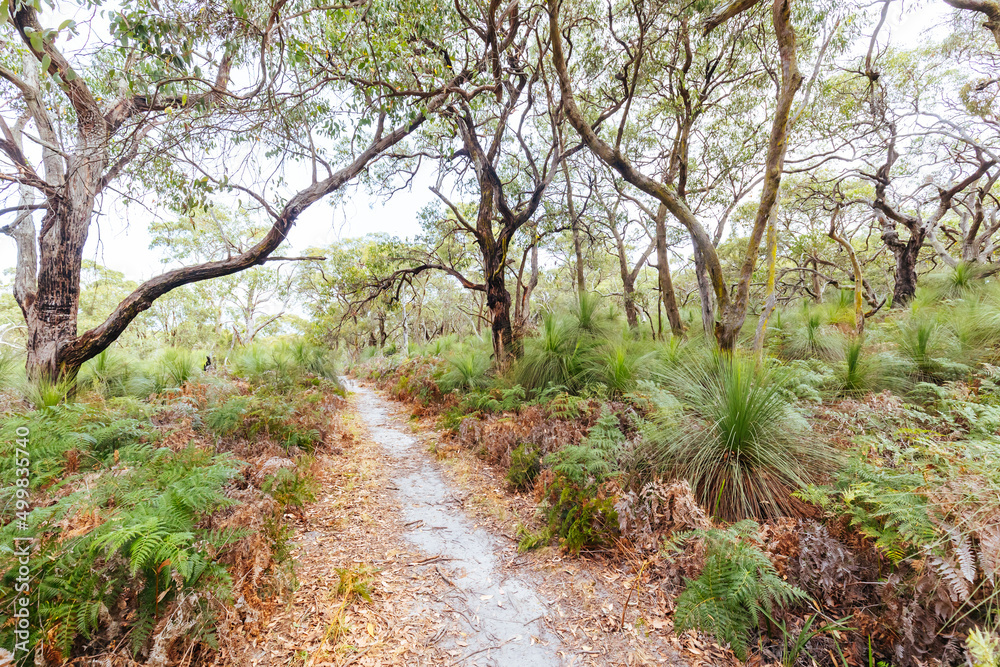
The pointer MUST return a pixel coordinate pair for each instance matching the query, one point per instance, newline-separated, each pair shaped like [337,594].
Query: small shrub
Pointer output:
[355,582]
[579,511]
[525,465]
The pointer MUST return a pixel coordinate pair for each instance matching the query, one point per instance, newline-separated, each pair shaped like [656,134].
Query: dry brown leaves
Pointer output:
[352,528]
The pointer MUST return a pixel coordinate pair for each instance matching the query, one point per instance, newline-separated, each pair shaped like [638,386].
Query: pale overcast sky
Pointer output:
[120,239]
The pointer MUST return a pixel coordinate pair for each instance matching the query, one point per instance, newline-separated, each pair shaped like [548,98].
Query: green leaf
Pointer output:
[46,62]
[4,12]
[36,41]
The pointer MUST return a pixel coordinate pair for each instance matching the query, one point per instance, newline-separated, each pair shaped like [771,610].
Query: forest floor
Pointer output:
[409,557]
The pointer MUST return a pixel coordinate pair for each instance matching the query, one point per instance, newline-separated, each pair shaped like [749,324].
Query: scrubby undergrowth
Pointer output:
[157,499]
[832,502]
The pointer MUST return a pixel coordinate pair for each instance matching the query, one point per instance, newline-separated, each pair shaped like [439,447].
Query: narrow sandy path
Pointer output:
[495,618]
[443,583]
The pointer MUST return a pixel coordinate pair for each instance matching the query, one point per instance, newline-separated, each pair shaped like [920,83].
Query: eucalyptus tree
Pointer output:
[186,100]
[922,132]
[628,241]
[647,64]
[497,143]
[335,286]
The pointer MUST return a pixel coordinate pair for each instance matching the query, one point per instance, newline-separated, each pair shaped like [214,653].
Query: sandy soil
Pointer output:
[408,559]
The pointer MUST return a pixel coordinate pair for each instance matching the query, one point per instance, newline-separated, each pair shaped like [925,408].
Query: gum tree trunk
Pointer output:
[732,311]
[666,284]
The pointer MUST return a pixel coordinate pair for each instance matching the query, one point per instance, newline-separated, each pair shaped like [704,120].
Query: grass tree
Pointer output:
[738,441]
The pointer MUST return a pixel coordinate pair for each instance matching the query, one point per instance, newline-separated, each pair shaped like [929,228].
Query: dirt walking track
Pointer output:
[435,553]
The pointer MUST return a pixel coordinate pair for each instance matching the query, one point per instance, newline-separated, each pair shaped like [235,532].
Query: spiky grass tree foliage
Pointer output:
[282,364]
[251,363]
[807,335]
[840,310]
[113,374]
[929,346]
[738,442]
[959,282]
[587,318]
[438,347]
[863,370]
[175,367]
[618,366]
[974,322]
[554,357]
[467,370]
[47,393]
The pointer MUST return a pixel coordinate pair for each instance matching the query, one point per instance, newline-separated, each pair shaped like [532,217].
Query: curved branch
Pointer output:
[92,342]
